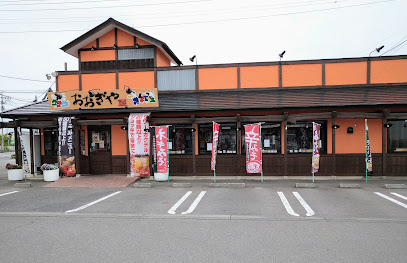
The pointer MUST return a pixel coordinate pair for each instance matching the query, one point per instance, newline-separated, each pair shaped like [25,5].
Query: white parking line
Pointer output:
[172,209]
[399,195]
[287,204]
[195,203]
[391,199]
[92,203]
[9,193]
[310,212]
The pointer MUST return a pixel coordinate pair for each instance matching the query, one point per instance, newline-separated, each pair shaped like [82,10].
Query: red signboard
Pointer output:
[315,150]
[215,138]
[253,149]
[161,139]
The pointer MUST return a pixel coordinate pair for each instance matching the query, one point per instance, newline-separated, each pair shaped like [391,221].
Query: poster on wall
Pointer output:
[315,149]
[66,146]
[161,139]
[24,153]
[139,144]
[214,145]
[253,149]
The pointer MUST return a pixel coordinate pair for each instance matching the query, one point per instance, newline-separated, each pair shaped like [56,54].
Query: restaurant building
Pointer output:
[285,96]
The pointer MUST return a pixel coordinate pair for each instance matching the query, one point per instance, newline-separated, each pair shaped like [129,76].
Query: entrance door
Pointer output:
[100,154]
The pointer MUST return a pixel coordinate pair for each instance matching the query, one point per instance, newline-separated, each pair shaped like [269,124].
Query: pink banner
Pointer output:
[139,144]
[253,149]
[315,150]
[215,138]
[161,140]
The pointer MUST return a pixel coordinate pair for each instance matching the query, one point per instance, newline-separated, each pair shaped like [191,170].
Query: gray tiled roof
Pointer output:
[271,98]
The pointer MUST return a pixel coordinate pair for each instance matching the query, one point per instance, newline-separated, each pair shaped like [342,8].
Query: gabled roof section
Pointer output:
[73,47]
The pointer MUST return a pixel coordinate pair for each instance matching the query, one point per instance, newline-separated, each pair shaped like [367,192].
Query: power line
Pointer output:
[102,7]
[397,45]
[10,77]
[214,21]
[52,3]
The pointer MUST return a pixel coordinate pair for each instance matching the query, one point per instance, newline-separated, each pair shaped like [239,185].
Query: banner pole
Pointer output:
[366,150]
[261,153]
[168,154]
[313,150]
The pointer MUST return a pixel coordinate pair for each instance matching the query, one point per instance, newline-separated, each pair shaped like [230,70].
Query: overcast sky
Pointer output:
[216,31]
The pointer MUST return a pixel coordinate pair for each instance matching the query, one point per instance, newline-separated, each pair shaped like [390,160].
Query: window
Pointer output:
[100,139]
[397,136]
[270,137]
[180,139]
[227,138]
[51,142]
[299,137]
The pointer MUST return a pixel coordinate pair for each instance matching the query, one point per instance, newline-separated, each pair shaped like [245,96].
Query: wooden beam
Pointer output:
[101,122]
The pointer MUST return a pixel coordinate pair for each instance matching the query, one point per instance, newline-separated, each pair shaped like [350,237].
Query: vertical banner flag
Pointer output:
[315,149]
[369,160]
[215,138]
[139,144]
[23,152]
[66,146]
[161,140]
[253,149]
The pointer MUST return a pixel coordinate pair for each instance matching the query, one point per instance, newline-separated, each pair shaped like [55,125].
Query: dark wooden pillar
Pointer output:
[194,136]
[333,144]
[384,143]
[17,147]
[238,143]
[32,150]
[77,150]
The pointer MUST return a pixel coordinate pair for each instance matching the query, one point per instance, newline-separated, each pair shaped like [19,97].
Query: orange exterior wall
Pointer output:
[118,141]
[107,40]
[259,77]
[217,78]
[93,43]
[302,75]
[68,82]
[142,42]
[346,73]
[329,136]
[124,39]
[144,79]
[355,142]
[388,71]
[162,60]
[98,55]
[106,81]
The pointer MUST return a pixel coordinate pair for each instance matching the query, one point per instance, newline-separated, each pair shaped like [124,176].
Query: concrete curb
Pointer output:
[304,185]
[395,186]
[227,185]
[23,185]
[349,185]
[142,185]
[181,185]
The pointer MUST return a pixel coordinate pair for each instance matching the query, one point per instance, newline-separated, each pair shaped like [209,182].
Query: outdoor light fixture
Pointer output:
[350,130]
[192,58]
[281,55]
[387,125]
[124,128]
[377,50]
[114,46]
[128,90]
[48,76]
[336,126]
[92,48]
[405,123]
[137,46]
[193,129]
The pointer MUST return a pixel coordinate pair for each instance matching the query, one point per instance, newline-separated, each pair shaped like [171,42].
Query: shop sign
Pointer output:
[369,160]
[315,151]
[253,149]
[24,153]
[215,138]
[103,99]
[139,144]
[161,138]
[66,146]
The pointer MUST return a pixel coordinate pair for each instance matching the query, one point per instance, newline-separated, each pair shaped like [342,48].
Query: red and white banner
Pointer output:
[253,149]
[215,138]
[139,144]
[161,139]
[315,149]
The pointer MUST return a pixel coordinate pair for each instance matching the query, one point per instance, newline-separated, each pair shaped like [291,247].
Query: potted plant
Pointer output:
[50,171]
[15,172]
